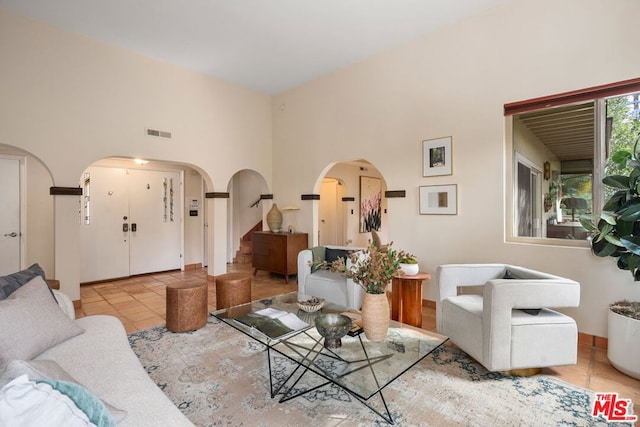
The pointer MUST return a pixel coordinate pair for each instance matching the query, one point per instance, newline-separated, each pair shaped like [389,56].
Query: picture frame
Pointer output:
[437,156]
[439,199]
[370,204]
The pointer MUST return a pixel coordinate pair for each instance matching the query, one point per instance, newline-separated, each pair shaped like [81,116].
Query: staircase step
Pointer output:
[243,259]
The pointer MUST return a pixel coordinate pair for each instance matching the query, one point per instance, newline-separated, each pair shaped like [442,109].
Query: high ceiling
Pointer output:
[266,45]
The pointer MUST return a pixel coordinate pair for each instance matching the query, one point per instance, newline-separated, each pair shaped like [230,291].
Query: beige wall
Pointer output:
[455,82]
[70,101]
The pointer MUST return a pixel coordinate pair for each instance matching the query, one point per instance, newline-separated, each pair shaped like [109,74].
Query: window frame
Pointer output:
[596,94]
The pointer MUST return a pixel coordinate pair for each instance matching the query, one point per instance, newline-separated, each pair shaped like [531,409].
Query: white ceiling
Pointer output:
[266,45]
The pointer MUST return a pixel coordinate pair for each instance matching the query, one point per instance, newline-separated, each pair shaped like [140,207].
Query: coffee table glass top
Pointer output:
[360,366]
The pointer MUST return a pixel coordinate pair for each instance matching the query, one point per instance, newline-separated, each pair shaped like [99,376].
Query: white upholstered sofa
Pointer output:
[333,287]
[44,341]
[505,322]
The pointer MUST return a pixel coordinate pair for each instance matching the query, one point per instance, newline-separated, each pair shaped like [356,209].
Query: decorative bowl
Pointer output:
[311,305]
[333,327]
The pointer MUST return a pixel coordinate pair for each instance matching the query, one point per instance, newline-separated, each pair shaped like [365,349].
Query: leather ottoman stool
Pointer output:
[186,306]
[233,289]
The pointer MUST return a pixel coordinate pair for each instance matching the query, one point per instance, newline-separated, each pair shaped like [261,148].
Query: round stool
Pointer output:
[232,289]
[186,306]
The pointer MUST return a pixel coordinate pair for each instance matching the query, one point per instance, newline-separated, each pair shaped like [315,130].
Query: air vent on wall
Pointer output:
[158,133]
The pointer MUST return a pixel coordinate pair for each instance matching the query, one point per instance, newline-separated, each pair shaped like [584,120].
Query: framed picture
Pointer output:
[439,200]
[370,204]
[436,156]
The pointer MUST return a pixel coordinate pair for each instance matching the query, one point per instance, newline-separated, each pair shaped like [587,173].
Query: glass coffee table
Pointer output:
[359,367]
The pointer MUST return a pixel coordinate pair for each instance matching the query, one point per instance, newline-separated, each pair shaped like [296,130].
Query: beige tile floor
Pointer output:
[139,302]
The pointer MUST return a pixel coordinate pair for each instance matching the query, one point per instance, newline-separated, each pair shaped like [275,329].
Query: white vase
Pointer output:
[410,269]
[624,344]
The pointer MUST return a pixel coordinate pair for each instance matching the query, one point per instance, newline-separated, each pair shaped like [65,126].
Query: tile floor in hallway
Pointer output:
[139,302]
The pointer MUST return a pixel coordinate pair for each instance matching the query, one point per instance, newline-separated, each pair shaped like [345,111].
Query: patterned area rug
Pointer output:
[218,376]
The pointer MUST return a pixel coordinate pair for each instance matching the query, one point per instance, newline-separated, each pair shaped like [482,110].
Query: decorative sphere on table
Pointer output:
[333,327]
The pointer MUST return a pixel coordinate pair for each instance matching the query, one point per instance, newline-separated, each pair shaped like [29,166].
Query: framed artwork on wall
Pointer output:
[370,204]
[436,156]
[439,200]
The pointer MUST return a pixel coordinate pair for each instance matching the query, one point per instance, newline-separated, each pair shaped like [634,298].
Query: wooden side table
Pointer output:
[406,299]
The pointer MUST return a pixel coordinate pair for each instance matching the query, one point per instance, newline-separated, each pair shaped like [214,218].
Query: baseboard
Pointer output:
[196,266]
[77,304]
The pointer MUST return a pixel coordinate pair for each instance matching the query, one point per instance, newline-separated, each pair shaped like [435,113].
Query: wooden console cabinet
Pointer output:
[277,252]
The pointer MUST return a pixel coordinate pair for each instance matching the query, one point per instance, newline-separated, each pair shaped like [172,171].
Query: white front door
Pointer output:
[155,221]
[132,223]
[104,241]
[10,212]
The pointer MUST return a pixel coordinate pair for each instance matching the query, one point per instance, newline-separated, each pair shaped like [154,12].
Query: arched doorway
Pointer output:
[340,216]
[246,210]
[140,217]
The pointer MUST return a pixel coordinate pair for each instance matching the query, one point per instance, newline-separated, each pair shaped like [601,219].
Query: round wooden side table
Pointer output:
[406,298]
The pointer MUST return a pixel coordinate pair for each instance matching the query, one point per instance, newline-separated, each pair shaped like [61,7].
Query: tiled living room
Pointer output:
[139,302]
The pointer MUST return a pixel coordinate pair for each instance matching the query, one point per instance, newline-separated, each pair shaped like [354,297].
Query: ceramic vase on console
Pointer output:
[274,218]
[375,316]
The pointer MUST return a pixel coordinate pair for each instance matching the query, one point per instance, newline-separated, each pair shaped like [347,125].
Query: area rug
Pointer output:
[217,376]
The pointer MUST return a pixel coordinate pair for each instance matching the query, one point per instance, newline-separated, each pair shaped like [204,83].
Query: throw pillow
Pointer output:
[86,401]
[23,403]
[318,256]
[332,254]
[48,370]
[508,274]
[37,322]
[10,283]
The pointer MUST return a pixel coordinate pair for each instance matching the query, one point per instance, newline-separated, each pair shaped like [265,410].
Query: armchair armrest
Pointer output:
[305,257]
[449,277]
[501,296]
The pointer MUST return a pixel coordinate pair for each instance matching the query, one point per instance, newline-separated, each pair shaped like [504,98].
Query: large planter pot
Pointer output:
[375,316]
[624,344]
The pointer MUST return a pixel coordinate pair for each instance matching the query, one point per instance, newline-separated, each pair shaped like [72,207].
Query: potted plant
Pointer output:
[372,269]
[616,233]
[409,265]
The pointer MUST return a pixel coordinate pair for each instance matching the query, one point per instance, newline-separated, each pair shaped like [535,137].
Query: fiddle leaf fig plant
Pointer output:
[616,232]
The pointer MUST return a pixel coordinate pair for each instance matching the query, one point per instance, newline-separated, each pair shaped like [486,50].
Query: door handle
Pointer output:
[14,234]
[134,227]
[125,227]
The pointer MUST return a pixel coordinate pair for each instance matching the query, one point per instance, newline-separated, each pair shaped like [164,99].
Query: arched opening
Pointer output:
[351,204]
[141,216]
[27,220]
[246,210]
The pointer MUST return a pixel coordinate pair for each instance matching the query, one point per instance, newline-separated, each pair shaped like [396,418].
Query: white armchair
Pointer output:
[333,287]
[490,324]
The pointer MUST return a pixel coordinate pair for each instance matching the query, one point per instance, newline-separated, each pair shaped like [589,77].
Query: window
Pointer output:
[559,148]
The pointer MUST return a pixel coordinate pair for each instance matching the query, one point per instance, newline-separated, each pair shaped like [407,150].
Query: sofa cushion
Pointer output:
[317,257]
[37,322]
[47,370]
[26,403]
[86,401]
[332,254]
[11,282]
